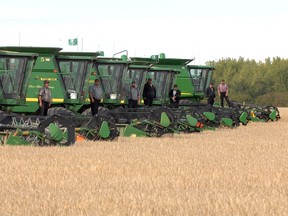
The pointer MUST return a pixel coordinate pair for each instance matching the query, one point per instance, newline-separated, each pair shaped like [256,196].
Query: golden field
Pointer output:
[242,171]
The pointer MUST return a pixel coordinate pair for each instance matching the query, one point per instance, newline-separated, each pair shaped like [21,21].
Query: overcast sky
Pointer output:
[204,29]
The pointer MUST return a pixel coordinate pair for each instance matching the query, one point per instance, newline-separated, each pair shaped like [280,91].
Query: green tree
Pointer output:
[249,81]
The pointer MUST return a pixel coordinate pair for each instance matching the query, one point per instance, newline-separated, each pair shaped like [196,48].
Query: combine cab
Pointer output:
[200,77]
[74,74]
[110,72]
[15,72]
[162,78]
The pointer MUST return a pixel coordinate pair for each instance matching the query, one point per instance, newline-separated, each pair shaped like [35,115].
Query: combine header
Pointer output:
[257,113]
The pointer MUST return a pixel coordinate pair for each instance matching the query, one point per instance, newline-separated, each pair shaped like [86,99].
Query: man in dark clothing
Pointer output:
[149,93]
[210,94]
[174,95]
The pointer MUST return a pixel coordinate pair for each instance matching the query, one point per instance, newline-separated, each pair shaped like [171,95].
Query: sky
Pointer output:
[206,30]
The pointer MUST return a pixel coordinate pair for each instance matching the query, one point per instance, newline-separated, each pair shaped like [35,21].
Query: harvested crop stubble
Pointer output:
[238,171]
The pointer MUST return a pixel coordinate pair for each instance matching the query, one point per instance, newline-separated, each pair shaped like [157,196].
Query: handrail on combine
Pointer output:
[120,53]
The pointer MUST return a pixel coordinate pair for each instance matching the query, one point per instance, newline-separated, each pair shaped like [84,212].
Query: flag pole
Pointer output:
[19,38]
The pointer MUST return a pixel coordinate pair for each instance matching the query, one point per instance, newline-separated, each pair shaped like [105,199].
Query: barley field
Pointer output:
[241,171]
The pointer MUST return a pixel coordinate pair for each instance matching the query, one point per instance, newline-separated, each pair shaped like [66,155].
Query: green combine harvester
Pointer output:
[70,75]
[147,119]
[15,73]
[115,84]
[69,78]
[110,71]
[192,117]
[194,79]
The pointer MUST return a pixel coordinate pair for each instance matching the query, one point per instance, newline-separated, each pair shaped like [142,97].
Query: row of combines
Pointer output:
[23,70]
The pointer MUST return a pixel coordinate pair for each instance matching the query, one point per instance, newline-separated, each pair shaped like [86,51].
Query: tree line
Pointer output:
[263,83]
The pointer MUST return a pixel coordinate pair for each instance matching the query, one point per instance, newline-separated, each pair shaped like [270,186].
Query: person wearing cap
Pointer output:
[95,95]
[210,94]
[174,96]
[133,96]
[149,93]
[44,98]
[223,92]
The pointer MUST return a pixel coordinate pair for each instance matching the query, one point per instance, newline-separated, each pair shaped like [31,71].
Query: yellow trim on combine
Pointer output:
[57,100]
[31,99]
[186,93]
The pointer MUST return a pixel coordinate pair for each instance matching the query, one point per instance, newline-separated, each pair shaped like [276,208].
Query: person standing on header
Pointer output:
[223,92]
[210,94]
[174,96]
[44,98]
[133,96]
[149,93]
[95,95]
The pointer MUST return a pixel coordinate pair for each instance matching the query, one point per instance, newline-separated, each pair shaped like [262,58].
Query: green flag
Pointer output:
[73,42]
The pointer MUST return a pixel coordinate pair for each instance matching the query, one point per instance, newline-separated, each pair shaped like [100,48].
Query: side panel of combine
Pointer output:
[44,69]
[184,83]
